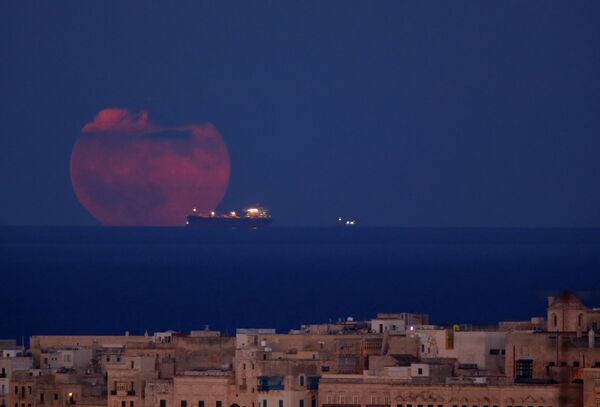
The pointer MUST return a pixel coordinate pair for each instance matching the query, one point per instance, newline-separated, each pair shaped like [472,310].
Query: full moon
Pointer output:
[126,170]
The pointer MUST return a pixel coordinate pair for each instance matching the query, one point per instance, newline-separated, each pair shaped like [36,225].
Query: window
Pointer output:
[220,403]
[201,403]
[16,389]
[123,404]
[494,351]
[301,403]
[29,388]
[163,403]
[132,364]
[580,320]
[183,403]
[42,397]
[554,320]
[575,364]
[422,348]
[280,403]
[524,369]
[420,372]
[301,380]
[55,396]
[131,403]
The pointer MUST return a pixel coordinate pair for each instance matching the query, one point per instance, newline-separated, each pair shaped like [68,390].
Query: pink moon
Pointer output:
[128,171]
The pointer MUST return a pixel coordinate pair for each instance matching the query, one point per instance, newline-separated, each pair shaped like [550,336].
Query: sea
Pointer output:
[102,280]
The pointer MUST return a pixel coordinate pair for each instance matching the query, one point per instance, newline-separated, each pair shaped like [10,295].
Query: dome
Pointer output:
[567,300]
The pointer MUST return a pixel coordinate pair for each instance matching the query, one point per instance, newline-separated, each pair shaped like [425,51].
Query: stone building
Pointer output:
[208,388]
[9,366]
[569,345]
[360,390]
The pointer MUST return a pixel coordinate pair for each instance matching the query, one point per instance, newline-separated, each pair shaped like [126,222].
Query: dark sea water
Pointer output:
[109,280]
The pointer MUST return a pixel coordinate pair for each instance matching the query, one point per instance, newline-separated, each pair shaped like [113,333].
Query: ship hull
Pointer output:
[205,222]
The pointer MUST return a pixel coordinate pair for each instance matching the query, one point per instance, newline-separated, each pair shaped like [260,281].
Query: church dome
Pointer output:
[567,300]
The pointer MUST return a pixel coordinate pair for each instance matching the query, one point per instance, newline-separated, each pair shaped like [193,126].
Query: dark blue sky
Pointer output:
[398,113]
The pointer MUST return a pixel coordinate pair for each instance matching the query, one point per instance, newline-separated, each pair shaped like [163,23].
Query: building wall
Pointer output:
[467,347]
[591,387]
[562,350]
[8,366]
[336,391]
[126,380]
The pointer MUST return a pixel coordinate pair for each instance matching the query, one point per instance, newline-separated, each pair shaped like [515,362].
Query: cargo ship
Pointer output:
[255,217]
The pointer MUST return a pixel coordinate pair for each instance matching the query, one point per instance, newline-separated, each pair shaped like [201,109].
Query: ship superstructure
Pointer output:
[253,217]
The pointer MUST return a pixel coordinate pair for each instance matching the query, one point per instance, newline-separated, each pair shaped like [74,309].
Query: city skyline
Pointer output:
[396,358]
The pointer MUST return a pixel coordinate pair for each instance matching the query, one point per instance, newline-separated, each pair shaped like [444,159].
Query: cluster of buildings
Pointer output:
[393,360]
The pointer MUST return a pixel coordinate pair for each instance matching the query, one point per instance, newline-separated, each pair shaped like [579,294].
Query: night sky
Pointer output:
[423,113]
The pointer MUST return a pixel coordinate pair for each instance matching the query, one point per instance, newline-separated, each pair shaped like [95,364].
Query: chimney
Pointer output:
[591,339]
[550,300]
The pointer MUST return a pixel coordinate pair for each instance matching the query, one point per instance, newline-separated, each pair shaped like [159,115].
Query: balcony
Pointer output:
[268,383]
[312,382]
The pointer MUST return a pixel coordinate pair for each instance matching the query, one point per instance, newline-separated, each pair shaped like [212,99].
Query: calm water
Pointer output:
[108,280]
